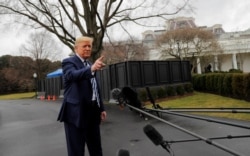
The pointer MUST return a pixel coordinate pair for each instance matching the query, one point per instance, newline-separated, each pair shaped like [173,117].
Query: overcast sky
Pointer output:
[234,15]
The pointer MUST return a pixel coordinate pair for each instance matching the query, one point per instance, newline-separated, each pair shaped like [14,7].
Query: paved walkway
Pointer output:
[29,128]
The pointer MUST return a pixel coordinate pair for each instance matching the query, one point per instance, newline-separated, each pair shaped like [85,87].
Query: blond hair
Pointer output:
[83,39]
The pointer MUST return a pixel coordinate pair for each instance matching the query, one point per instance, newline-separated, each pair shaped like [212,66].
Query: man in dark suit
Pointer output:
[82,109]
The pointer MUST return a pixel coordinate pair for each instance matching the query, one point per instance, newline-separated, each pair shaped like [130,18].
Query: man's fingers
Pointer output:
[101,58]
[98,65]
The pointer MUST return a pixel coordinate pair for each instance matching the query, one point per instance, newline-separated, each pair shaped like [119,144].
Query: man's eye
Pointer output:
[86,47]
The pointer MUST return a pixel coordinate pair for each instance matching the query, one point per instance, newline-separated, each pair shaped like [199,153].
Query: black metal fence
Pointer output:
[135,74]
[139,74]
[50,87]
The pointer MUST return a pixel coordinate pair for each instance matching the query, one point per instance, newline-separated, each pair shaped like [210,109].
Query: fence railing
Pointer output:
[135,74]
[138,74]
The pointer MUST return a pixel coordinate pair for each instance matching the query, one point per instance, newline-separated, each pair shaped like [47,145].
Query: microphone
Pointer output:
[123,152]
[156,137]
[116,92]
[153,135]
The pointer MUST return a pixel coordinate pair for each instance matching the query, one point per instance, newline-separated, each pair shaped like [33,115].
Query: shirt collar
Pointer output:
[80,58]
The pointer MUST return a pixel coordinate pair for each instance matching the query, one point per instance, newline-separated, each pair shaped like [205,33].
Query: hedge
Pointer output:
[236,85]
[164,91]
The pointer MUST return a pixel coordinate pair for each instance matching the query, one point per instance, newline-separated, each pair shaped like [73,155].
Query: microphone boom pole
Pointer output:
[207,140]
[213,138]
[201,118]
[209,110]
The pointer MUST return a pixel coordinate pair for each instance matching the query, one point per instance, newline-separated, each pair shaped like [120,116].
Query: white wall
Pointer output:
[154,54]
[246,63]
[226,62]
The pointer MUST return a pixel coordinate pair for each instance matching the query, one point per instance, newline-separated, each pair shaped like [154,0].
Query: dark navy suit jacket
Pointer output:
[77,92]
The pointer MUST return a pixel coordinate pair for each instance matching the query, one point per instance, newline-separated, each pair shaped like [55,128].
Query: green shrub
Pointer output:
[209,82]
[246,84]
[154,93]
[227,85]
[171,91]
[202,82]
[188,87]
[142,94]
[180,90]
[237,86]
[199,82]
[235,71]
[219,84]
[161,92]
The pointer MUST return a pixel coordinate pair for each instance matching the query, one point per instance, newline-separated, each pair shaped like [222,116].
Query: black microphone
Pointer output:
[115,93]
[123,152]
[153,135]
[156,137]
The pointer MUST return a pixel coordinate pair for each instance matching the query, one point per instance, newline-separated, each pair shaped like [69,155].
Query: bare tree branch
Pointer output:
[190,42]
[68,18]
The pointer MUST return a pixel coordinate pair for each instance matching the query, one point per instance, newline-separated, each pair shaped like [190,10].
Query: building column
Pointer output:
[198,65]
[216,63]
[234,60]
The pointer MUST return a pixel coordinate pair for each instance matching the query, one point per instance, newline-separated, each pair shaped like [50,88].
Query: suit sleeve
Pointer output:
[74,72]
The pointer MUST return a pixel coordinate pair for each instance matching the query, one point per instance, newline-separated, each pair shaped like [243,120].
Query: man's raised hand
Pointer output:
[98,65]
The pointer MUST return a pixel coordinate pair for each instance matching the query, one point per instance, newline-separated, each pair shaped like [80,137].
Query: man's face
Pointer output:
[84,49]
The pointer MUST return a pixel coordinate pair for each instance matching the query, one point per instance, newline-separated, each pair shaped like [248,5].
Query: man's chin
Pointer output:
[86,56]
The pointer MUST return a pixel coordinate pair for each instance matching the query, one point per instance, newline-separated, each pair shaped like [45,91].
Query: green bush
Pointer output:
[237,86]
[153,91]
[161,92]
[199,82]
[209,82]
[246,84]
[142,94]
[227,85]
[195,81]
[235,71]
[171,91]
[188,87]
[219,84]
[180,90]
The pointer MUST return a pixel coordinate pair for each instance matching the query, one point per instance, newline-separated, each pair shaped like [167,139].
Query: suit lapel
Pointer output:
[78,62]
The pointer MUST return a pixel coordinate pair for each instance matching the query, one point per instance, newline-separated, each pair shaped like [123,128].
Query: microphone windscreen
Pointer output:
[129,93]
[115,93]
[153,134]
[123,152]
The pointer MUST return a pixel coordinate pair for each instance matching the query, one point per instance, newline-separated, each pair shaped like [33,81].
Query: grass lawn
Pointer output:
[197,99]
[17,96]
[206,100]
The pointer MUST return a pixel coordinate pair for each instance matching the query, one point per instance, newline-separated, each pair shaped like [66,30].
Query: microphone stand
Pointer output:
[166,146]
[202,118]
[222,147]
[212,138]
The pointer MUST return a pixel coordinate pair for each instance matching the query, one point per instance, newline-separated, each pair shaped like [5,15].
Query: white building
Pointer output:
[235,45]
